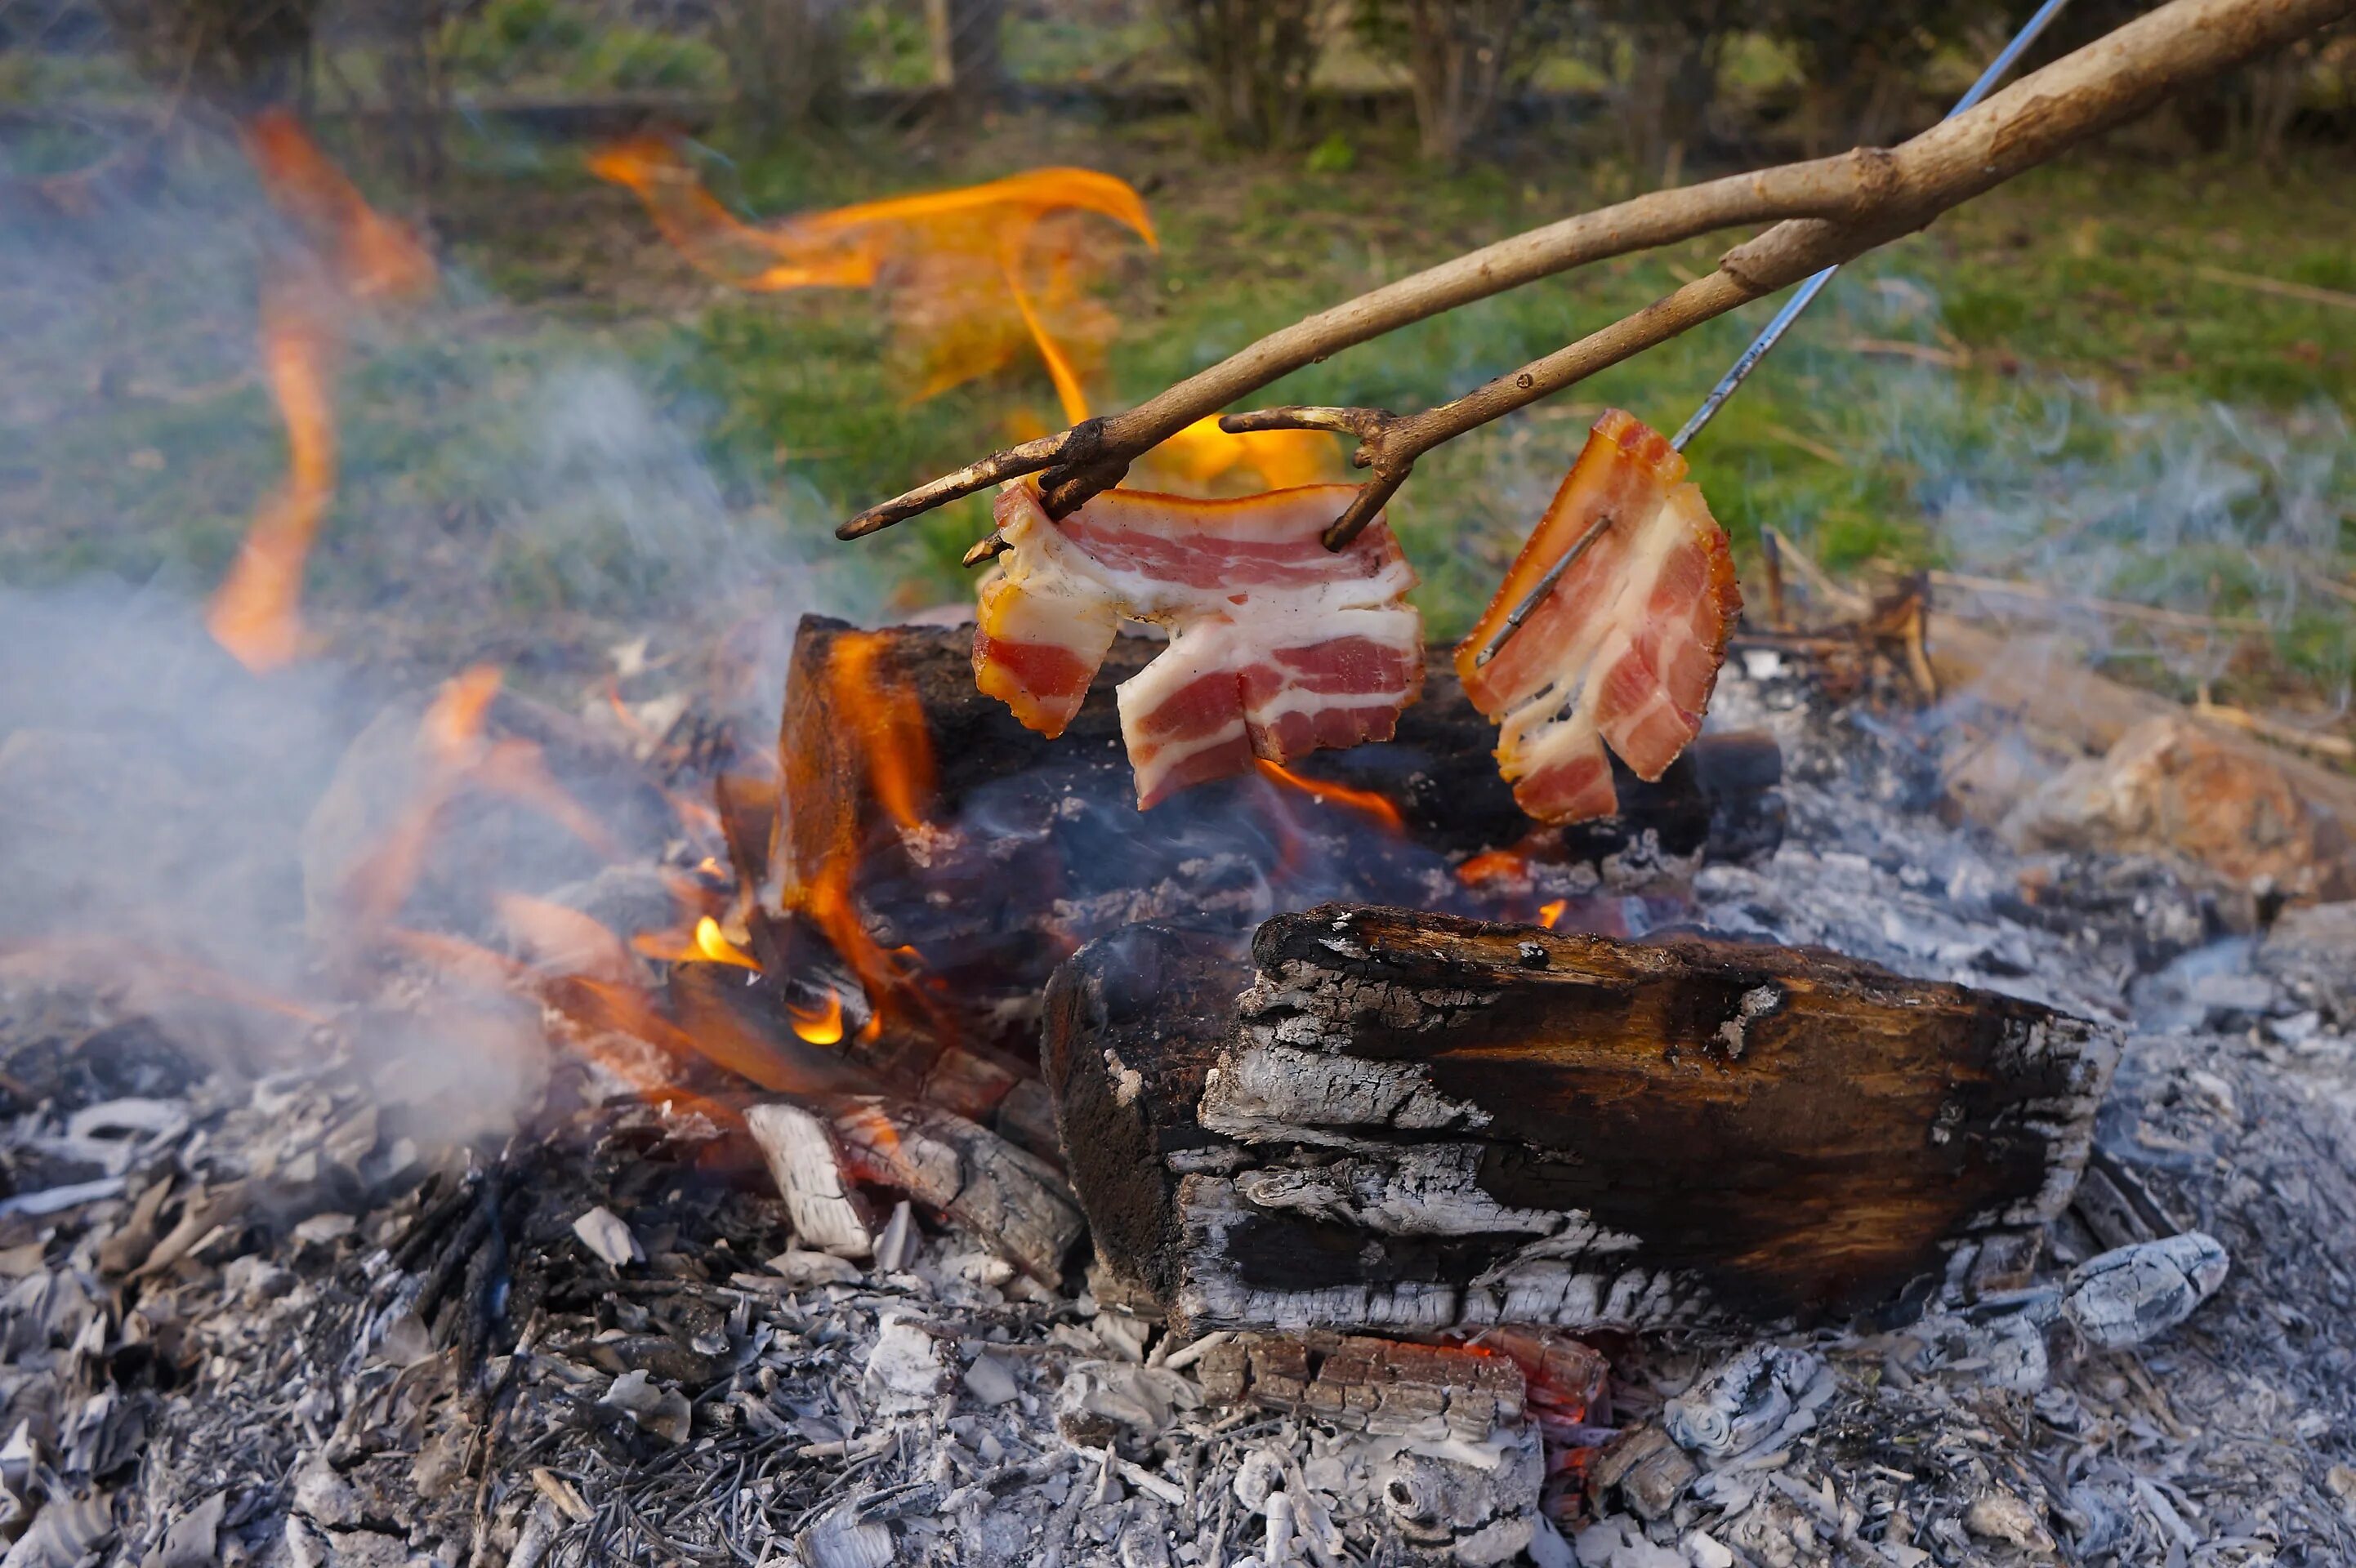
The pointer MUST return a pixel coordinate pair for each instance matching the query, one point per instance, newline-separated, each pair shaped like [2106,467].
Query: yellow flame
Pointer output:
[711,944]
[818,1026]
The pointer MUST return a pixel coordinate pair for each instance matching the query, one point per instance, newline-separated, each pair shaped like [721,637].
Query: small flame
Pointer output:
[454,758]
[1377,806]
[255,613]
[712,944]
[891,743]
[372,256]
[820,1025]
[359,255]
[1548,913]
[563,939]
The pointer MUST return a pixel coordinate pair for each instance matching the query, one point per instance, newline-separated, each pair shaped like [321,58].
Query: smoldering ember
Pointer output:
[1161,1064]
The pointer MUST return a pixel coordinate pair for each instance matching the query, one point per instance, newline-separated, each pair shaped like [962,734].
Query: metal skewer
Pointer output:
[1769,336]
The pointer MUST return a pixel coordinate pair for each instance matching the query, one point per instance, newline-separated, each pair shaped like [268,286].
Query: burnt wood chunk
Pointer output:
[1406,1121]
[994,852]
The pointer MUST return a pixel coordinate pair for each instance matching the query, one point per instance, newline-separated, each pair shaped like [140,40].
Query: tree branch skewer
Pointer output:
[1831,209]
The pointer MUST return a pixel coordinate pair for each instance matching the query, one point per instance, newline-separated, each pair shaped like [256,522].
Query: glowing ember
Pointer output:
[1548,913]
[359,255]
[971,275]
[1496,866]
[818,1026]
[1375,805]
[711,943]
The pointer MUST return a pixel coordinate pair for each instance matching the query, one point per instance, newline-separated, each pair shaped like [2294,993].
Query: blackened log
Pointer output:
[1405,1121]
[1028,847]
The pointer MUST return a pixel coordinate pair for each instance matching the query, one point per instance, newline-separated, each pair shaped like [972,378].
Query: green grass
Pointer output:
[2054,383]
[2069,303]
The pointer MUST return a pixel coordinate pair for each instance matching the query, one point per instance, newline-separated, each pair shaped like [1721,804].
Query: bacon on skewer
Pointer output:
[1278,645]
[1624,649]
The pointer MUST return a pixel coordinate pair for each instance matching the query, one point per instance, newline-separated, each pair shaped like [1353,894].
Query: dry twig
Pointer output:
[1830,209]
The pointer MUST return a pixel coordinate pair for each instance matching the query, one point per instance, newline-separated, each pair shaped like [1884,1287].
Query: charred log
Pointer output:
[993,852]
[1403,1121]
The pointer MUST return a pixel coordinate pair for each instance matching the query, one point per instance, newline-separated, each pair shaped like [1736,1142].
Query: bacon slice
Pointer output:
[1625,649]
[1278,646]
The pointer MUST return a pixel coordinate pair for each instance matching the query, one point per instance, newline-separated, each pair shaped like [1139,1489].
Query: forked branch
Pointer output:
[1831,209]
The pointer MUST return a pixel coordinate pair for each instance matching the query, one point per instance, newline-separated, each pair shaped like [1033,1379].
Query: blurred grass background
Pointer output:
[2129,375]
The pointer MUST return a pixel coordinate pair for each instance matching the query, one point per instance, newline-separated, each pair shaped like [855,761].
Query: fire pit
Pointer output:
[992,1125]
[281,1314]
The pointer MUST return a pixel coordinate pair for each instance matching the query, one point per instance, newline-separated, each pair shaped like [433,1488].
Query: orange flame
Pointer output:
[1378,806]
[888,740]
[1201,456]
[1548,913]
[563,939]
[957,266]
[1494,866]
[453,758]
[255,613]
[372,256]
[818,1026]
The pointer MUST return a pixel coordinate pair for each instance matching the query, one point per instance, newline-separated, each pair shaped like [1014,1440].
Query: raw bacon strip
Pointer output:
[1230,690]
[1624,472]
[1625,649]
[1278,645]
[1036,645]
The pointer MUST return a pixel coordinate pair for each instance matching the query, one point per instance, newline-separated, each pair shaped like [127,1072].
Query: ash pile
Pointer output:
[883,1310]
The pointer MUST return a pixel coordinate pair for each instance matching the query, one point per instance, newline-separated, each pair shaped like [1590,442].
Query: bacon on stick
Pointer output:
[1624,649]
[1278,645]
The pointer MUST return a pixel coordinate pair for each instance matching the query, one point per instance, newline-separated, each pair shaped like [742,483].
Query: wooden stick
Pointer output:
[1833,209]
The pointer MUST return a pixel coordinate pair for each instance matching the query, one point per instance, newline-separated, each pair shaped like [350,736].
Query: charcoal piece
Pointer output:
[1403,1121]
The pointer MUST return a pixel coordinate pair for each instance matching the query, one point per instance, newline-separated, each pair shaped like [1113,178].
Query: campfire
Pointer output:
[1160,1065]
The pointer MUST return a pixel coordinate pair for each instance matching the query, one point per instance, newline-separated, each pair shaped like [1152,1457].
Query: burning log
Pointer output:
[922,818]
[1401,1121]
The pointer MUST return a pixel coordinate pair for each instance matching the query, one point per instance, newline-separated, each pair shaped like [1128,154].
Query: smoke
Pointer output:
[511,493]
[2220,518]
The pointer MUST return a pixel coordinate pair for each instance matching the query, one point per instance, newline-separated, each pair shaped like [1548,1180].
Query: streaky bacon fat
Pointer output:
[1625,649]
[1278,645]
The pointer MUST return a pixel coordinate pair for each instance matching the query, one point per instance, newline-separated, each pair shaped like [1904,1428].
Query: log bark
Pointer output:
[1403,1122]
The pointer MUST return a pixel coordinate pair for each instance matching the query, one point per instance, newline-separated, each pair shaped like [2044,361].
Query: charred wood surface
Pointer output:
[1022,848]
[1403,1121]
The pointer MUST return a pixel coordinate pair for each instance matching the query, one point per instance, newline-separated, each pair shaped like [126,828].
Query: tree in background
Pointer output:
[964,36]
[786,60]
[1862,61]
[1664,56]
[245,52]
[1463,58]
[1252,61]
